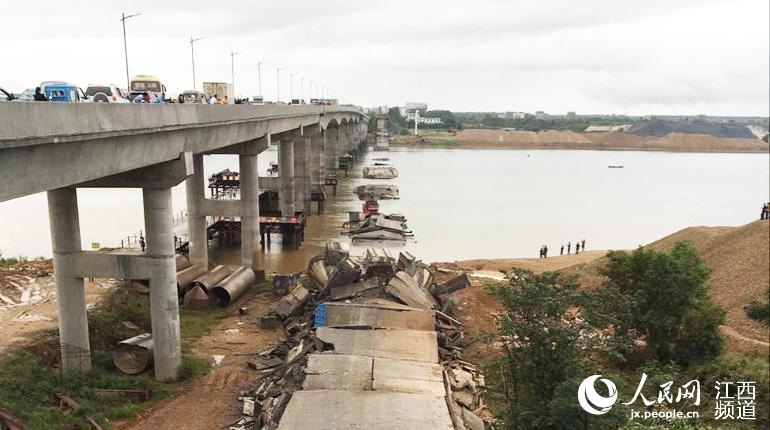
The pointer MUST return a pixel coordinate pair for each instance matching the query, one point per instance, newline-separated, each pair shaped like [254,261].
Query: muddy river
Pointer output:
[465,204]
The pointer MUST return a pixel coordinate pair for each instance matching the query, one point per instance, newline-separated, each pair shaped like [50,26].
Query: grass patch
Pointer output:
[30,379]
[445,144]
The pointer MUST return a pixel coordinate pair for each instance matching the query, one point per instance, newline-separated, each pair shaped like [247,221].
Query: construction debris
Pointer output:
[368,345]
[186,277]
[211,279]
[376,227]
[380,172]
[134,355]
[376,192]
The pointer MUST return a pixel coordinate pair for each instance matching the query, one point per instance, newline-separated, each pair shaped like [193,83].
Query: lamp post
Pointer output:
[259,74]
[291,86]
[310,89]
[278,84]
[232,69]
[192,52]
[301,89]
[123,18]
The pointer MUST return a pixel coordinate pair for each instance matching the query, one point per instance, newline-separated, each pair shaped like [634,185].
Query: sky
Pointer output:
[592,56]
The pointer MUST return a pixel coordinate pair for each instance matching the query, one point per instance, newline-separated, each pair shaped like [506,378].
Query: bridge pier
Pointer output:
[249,177]
[196,219]
[332,140]
[286,174]
[164,304]
[302,148]
[70,291]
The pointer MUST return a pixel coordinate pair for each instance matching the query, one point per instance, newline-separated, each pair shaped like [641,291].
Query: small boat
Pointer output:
[615,167]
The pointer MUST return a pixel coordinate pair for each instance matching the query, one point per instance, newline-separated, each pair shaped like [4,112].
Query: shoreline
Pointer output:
[485,146]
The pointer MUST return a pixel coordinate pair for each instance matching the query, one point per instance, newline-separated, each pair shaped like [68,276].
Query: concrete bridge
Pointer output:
[59,147]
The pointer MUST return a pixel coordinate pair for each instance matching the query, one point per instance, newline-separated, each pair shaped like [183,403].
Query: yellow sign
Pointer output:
[96,245]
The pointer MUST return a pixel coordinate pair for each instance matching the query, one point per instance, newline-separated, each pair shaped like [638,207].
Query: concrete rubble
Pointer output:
[376,192]
[376,227]
[366,345]
[379,171]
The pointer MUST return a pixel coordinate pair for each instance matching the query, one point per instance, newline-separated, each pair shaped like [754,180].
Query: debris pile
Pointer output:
[376,192]
[376,227]
[365,337]
[380,171]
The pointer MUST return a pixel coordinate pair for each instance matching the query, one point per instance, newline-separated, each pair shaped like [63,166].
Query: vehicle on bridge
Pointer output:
[191,96]
[6,96]
[58,91]
[105,94]
[257,100]
[146,84]
[27,95]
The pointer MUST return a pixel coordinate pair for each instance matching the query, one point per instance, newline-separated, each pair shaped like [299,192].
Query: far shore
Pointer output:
[567,140]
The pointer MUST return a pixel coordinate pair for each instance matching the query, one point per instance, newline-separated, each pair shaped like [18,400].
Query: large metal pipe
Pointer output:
[211,279]
[185,278]
[133,355]
[181,262]
[232,287]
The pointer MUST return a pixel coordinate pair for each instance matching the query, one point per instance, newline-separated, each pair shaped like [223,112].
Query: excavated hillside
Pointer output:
[737,257]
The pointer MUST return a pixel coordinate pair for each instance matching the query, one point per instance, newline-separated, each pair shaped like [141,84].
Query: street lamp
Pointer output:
[301,88]
[232,69]
[259,73]
[278,84]
[192,51]
[291,86]
[123,19]
[310,89]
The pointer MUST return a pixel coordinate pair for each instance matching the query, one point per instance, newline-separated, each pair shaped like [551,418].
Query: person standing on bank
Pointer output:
[569,246]
[577,247]
[141,242]
[561,252]
[583,245]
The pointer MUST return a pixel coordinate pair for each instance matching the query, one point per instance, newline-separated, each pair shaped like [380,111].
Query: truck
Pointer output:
[221,90]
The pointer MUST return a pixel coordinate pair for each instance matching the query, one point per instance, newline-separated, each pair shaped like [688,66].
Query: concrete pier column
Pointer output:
[164,304]
[316,158]
[302,173]
[332,140]
[70,292]
[196,222]
[249,177]
[286,175]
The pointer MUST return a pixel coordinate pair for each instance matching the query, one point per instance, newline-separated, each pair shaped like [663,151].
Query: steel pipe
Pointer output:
[232,287]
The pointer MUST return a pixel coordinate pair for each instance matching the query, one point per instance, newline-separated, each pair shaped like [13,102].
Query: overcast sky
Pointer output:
[590,56]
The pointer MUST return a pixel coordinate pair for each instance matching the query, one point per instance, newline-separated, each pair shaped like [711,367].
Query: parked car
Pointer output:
[27,96]
[105,94]
[58,91]
[5,96]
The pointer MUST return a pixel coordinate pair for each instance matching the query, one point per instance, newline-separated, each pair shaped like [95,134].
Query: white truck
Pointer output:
[221,90]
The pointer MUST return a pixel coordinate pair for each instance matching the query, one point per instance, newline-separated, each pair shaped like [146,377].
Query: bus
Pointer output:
[146,84]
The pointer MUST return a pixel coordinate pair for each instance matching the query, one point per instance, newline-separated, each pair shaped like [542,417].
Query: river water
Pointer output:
[467,204]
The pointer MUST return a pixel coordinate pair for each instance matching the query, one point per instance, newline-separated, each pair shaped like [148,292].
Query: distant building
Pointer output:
[421,119]
[571,114]
[512,115]
[541,115]
[412,107]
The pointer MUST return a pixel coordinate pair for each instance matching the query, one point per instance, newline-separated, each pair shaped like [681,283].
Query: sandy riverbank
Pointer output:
[736,256]
[603,141]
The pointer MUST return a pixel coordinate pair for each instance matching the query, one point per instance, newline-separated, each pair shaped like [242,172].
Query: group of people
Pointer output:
[214,101]
[765,211]
[148,98]
[580,244]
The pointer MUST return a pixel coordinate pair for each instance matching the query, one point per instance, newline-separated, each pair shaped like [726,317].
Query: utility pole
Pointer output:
[301,89]
[123,19]
[192,51]
[310,90]
[278,84]
[291,86]
[232,69]
[416,120]
[259,73]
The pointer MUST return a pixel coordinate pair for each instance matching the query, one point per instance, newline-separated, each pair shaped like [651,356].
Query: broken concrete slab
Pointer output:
[343,315]
[406,289]
[407,377]
[292,302]
[397,344]
[452,285]
[352,290]
[371,410]
[338,372]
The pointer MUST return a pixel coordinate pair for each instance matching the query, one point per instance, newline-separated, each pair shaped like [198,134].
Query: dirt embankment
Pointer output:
[618,141]
[736,256]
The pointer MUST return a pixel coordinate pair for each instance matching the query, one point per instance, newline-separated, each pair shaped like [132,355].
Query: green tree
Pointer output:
[541,330]
[659,298]
[760,311]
